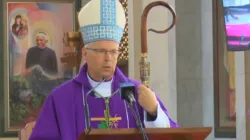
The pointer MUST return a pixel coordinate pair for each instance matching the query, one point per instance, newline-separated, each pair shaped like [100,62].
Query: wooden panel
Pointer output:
[247,91]
[153,134]
[225,124]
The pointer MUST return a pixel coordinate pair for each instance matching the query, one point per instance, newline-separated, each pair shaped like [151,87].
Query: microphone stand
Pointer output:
[86,109]
[131,102]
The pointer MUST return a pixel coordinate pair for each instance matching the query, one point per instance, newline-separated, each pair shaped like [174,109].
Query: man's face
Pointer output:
[101,57]
[41,42]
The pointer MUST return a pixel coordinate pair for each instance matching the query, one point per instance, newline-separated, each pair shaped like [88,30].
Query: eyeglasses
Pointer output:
[104,52]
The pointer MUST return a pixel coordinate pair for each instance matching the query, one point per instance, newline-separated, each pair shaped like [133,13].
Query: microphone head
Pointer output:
[126,88]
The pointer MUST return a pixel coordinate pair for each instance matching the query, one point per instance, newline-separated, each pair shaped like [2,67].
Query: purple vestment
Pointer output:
[62,116]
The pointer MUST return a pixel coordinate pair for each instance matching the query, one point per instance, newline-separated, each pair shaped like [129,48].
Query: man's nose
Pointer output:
[108,56]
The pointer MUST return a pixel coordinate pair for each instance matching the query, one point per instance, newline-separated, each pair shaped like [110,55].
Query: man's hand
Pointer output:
[147,99]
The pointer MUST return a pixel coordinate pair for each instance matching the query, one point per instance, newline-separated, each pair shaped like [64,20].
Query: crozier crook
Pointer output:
[144,63]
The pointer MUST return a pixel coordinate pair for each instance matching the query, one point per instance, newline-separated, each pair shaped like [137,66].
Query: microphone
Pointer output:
[127,93]
[86,107]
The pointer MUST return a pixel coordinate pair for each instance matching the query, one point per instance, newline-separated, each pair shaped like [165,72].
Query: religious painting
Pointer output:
[33,47]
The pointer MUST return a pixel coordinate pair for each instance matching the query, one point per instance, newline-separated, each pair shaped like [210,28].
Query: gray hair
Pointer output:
[42,34]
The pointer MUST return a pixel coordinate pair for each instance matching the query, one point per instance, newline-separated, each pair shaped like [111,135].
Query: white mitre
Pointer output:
[102,20]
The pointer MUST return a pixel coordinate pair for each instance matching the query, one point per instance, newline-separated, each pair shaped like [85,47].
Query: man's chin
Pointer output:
[107,75]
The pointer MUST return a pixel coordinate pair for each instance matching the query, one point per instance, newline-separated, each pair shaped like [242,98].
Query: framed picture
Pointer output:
[231,29]
[31,47]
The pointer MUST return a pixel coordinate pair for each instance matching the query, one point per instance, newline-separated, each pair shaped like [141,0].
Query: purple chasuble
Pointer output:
[63,118]
[120,115]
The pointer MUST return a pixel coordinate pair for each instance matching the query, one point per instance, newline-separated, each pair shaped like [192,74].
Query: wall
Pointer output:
[189,63]
[207,65]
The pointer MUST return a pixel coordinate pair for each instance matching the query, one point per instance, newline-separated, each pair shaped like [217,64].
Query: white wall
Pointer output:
[207,65]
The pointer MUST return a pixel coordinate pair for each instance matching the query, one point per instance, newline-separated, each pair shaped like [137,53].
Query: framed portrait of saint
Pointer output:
[31,48]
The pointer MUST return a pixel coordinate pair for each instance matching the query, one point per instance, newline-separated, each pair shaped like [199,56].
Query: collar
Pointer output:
[93,83]
[42,48]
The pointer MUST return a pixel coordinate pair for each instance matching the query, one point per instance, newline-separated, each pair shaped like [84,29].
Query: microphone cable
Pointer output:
[86,109]
[139,123]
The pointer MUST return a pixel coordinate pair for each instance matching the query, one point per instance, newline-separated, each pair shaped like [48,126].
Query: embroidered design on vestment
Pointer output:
[113,121]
